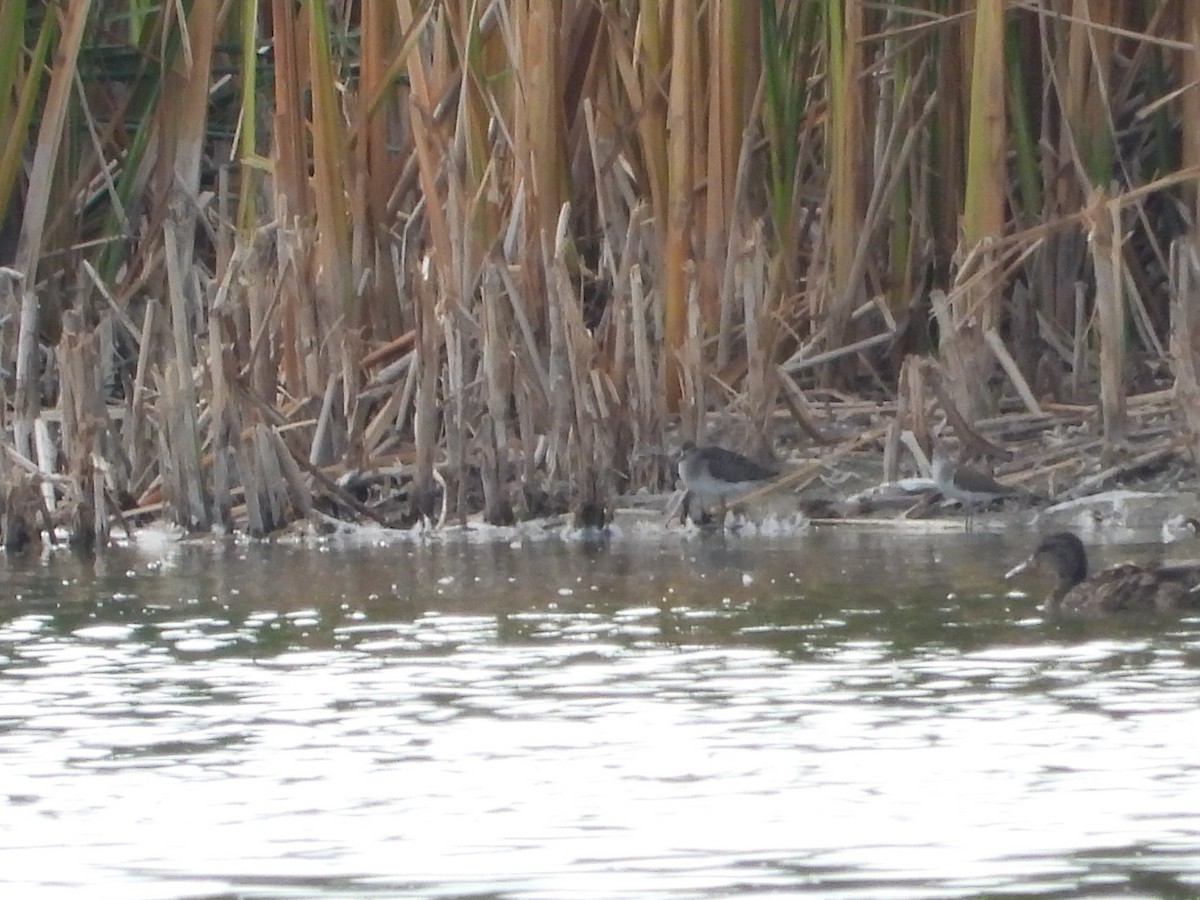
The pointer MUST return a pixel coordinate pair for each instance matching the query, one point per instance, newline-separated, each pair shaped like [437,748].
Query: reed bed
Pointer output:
[422,261]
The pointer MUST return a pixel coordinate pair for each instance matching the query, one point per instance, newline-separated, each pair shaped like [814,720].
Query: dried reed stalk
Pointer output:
[454,412]
[181,400]
[498,376]
[425,416]
[1104,239]
[1185,339]
[964,356]
[84,423]
[26,399]
[679,187]
[848,164]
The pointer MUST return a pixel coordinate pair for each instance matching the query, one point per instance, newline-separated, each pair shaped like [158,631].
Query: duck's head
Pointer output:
[1063,553]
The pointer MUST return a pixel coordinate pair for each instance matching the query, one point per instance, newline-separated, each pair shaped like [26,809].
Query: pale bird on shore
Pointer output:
[968,486]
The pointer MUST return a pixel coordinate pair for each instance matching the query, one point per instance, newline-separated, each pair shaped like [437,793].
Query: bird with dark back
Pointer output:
[713,472]
[968,486]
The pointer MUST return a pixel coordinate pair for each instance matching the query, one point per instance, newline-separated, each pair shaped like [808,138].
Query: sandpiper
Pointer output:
[968,486]
[713,471]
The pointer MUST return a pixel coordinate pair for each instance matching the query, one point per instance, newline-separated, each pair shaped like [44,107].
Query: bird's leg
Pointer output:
[686,511]
[701,518]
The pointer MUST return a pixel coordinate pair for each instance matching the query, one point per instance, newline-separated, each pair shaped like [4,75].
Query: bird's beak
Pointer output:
[1019,568]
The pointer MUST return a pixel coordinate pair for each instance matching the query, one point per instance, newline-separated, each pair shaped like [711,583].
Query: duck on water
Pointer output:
[1122,588]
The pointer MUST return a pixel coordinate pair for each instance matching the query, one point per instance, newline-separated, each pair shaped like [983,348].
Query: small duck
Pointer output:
[713,471]
[1122,588]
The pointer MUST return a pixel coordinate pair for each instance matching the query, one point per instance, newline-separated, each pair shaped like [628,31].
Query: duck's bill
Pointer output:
[1023,566]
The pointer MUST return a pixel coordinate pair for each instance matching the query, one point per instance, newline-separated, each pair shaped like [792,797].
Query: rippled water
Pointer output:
[832,714]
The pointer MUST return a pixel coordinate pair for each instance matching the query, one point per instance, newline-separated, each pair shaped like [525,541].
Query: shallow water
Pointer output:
[835,714]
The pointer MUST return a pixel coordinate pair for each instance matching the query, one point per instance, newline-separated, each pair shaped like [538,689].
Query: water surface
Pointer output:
[833,714]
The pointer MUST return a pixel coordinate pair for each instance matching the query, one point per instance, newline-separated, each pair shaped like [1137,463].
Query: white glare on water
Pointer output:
[877,742]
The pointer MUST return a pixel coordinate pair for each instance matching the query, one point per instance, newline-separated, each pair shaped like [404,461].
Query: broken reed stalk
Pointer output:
[760,388]
[1105,243]
[84,422]
[299,491]
[646,398]
[253,490]
[562,432]
[690,367]
[497,373]
[891,444]
[425,415]
[1012,370]
[270,480]
[324,448]
[589,443]
[798,405]
[133,439]
[848,165]
[1079,355]
[218,426]
[193,511]
[399,382]
[1185,338]
[617,370]
[454,407]
[531,393]
[36,210]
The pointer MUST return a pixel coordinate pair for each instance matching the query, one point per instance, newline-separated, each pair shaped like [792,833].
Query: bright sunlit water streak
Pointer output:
[841,715]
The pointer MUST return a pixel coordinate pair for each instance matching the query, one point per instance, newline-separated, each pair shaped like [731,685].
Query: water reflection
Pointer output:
[842,714]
